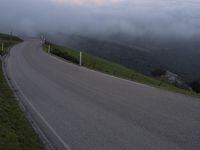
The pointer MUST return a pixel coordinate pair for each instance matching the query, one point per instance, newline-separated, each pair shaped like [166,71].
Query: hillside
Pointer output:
[7,41]
[111,68]
[180,56]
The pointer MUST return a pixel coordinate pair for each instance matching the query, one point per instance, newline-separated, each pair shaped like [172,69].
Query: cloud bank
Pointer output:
[135,17]
[87,2]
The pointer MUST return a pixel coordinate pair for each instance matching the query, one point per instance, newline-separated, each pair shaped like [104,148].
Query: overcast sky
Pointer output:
[163,17]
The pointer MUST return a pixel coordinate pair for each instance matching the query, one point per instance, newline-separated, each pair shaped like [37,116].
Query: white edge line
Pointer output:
[41,117]
[122,79]
[96,71]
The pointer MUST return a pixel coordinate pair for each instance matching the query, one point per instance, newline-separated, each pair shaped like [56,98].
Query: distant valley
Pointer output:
[181,56]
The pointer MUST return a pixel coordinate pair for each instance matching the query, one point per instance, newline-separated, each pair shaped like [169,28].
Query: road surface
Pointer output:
[80,109]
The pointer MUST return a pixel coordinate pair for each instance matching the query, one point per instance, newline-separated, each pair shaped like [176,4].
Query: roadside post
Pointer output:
[11,34]
[42,39]
[49,49]
[80,61]
[2,46]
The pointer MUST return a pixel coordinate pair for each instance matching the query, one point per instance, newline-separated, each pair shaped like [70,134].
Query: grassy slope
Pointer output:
[8,41]
[16,133]
[108,67]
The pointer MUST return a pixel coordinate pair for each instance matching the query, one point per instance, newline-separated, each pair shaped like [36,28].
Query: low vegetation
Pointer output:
[7,41]
[16,133]
[114,69]
[195,86]
[158,72]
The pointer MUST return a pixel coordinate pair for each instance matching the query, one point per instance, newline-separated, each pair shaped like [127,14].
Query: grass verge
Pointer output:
[105,66]
[16,133]
[7,42]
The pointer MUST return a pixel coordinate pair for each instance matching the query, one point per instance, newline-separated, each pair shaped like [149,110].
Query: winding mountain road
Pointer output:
[80,109]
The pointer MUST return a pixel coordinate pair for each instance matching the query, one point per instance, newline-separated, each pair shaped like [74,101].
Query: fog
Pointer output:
[135,17]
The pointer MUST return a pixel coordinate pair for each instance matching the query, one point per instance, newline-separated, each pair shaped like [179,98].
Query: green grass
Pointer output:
[16,133]
[7,42]
[114,69]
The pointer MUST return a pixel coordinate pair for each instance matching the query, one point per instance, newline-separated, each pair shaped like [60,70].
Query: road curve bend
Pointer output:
[80,109]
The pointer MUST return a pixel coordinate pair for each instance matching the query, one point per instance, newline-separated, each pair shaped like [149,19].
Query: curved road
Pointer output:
[80,109]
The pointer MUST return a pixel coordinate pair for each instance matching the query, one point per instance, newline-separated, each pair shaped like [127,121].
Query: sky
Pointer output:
[136,17]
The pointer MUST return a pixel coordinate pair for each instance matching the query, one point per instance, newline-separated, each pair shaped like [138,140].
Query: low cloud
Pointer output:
[136,17]
[87,2]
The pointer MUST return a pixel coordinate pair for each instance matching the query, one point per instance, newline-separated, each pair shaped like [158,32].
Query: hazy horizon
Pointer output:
[135,17]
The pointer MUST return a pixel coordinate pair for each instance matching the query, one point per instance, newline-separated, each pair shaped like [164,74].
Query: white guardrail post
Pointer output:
[49,49]
[2,46]
[80,61]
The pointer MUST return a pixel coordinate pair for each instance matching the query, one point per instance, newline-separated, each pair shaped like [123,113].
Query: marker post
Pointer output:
[2,46]
[80,61]
[49,49]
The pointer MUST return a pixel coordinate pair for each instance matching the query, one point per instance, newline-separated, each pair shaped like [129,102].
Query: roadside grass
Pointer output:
[16,133]
[105,66]
[7,42]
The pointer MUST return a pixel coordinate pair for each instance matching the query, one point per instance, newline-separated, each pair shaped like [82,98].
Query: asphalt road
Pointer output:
[80,109]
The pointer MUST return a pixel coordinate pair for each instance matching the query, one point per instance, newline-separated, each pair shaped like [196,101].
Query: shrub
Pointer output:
[195,85]
[65,55]
[158,72]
